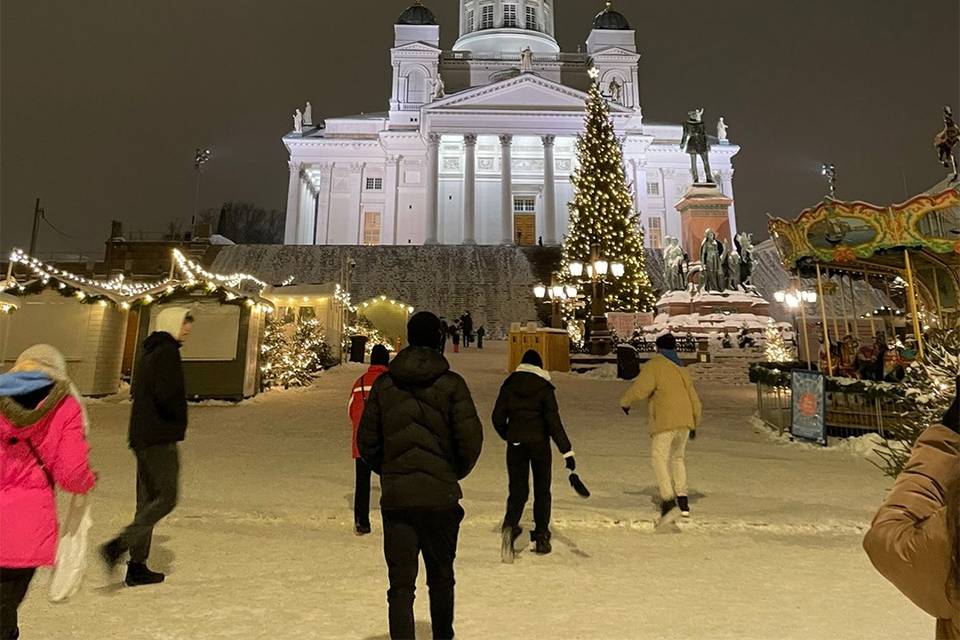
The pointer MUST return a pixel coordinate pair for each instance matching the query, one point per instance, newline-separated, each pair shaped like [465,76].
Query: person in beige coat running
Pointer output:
[674,415]
[914,541]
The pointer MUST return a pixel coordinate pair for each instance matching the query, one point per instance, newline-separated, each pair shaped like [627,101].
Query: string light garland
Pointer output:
[120,292]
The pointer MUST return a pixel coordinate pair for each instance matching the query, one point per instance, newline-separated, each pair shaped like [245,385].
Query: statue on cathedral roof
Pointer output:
[526,60]
[308,114]
[695,143]
[722,130]
[298,121]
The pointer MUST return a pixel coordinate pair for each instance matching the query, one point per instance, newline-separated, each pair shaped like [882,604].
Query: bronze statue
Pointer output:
[711,258]
[946,141]
[695,143]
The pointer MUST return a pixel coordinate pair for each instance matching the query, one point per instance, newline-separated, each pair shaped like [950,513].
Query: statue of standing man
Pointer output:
[711,257]
[673,265]
[695,143]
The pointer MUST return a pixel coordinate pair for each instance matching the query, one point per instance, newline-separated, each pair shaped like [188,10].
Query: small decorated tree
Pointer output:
[774,347]
[602,213]
[293,355]
[927,391]
[310,339]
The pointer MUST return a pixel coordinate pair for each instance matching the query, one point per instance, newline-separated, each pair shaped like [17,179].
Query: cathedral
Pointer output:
[478,143]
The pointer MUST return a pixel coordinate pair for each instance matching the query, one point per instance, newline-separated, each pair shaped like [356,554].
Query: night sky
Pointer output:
[104,102]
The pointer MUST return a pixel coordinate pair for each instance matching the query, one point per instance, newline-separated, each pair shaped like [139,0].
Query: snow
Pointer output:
[261,544]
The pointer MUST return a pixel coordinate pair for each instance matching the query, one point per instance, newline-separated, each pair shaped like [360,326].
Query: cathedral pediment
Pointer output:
[525,92]
[616,51]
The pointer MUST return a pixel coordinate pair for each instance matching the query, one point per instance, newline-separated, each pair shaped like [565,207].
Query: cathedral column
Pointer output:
[470,189]
[293,204]
[392,190]
[506,190]
[433,188]
[549,192]
[326,231]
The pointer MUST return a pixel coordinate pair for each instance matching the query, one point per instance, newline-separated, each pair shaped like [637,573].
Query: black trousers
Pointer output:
[361,494]
[13,589]
[158,477]
[406,535]
[521,459]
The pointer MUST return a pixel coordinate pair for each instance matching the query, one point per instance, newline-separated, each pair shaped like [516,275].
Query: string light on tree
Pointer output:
[603,220]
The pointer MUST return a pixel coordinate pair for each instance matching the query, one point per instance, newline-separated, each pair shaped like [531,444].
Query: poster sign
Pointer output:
[809,406]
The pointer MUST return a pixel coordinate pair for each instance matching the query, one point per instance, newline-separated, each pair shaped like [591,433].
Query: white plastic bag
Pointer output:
[71,561]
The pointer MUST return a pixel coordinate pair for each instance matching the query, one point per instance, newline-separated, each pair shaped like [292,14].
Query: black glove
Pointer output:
[571,463]
[626,410]
[693,434]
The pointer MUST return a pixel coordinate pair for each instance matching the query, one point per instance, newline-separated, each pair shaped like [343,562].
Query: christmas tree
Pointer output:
[310,339]
[602,213]
[774,348]
[927,391]
[293,355]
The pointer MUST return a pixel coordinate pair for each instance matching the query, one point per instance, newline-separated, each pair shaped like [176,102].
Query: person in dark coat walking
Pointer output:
[420,433]
[480,333]
[455,336]
[527,417]
[467,323]
[445,330]
[158,422]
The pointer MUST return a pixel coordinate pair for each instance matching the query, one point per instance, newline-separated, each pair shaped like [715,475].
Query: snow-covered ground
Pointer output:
[261,545]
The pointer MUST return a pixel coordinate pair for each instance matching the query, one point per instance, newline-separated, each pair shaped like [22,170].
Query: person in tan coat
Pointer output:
[674,415]
[913,541]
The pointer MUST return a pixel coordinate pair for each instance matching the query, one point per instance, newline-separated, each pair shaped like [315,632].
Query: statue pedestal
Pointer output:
[703,207]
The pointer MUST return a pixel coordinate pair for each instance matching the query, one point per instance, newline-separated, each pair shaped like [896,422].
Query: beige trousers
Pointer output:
[667,454]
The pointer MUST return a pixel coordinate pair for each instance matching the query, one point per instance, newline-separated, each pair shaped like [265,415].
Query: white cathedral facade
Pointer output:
[478,144]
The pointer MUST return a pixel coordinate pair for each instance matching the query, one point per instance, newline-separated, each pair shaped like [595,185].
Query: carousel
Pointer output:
[838,252]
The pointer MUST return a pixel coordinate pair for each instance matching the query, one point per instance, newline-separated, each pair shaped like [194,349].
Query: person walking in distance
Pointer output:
[674,414]
[158,421]
[445,329]
[481,332]
[527,417]
[455,335]
[467,323]
[43,446]
[420,433]
[379,359]
[914,541]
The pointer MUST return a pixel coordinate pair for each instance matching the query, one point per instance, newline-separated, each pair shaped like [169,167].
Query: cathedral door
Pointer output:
[524,220]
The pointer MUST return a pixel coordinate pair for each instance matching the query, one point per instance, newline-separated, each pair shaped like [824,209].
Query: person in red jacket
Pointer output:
[379,359]
[43,447]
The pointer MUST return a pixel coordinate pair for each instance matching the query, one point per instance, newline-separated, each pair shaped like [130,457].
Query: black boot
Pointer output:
[542,541]
[111,553]
[138,574]
[669,514]
[684,505]
[362,529]
[508,535]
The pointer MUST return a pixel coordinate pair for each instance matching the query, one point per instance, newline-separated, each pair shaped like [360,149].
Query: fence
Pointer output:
[849,414]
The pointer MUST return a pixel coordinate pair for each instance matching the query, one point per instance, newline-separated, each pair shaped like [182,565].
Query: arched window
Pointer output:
[417,86]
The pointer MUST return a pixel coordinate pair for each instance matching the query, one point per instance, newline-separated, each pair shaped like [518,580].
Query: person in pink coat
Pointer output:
[42,446]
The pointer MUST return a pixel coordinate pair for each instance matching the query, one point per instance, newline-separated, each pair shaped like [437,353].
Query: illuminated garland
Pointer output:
[774,348]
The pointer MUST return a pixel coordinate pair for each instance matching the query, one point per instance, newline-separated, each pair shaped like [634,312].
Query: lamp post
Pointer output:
[200,158]
[794,298]
[556,295]
[597,271]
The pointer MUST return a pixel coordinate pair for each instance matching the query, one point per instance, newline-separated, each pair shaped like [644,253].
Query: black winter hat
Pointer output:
[379,355]
[532,357]
[667,341]
[423,330]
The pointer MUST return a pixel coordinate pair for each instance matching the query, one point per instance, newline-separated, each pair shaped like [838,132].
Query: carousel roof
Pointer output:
[847,233]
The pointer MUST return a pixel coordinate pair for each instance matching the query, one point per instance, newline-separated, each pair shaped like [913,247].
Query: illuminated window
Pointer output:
[371,228]
[470,21]
[532,22]
[486,16]
[374,184]
[656,233]
[524,204]
[510,15]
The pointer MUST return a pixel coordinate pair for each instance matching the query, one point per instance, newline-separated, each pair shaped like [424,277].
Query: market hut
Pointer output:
[321,302]
[387,317]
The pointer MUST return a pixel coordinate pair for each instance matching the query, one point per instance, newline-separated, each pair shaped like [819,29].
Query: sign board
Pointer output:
[808,406]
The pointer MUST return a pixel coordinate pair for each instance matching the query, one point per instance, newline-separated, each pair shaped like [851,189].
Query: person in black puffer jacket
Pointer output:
[420,433]
[526,416]
[158,421]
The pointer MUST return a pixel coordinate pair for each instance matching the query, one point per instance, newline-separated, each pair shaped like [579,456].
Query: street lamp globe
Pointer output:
[601,267]
[558,292]
[618,269]
[780,296]
[576,269]
[571,292]
[540,291]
